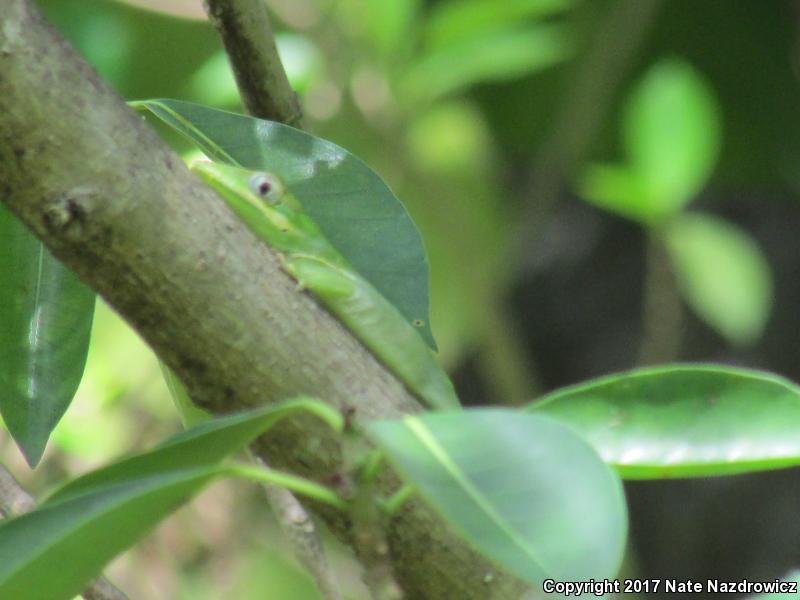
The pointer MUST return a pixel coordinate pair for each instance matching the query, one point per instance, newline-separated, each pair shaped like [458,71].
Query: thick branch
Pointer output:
[118,207]
[246,32]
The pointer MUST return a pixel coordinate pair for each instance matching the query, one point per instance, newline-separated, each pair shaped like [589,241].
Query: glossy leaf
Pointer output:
[496,56]
[684,420]
[45,323]
[349,201]
[723,275]
[522,489]
[93,518]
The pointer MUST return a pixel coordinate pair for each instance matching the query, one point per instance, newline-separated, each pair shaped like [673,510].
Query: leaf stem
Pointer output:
[293,483]
[393,503]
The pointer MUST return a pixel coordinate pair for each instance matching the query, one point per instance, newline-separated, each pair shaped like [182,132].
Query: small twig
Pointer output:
[298,527]
[246,32]
[14,500]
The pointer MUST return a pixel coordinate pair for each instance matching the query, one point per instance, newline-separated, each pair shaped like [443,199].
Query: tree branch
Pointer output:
[118,207]
[246,32]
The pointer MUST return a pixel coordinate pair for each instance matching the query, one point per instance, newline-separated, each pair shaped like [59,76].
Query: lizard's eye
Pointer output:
[266,186]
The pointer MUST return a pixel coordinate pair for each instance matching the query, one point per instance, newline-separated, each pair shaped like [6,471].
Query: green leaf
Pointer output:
[684,421]
[93,518]
[617,189]
[496,56]
[349,201]
[522,489]
[672,138]
[388,23]
[459,20]
[53,552]
[45,322]
[672,135]
[200,446]
[723,275]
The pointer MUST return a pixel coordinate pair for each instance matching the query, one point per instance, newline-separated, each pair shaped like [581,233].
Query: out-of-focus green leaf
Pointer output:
[300,58]
[522,489]
[723,275]
[449,138]
[497,56]
[45,322]
[352,205]
[213,81]
[672,135]
[684,420]
[91,519]
[459,20]
[617,189]
[388,23]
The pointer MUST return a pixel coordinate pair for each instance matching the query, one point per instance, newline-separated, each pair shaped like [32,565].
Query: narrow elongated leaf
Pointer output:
[86,532]
[684,420]
[91,519]
[200,446]
[45,322]
[352,205]
[522,489]
[723,275]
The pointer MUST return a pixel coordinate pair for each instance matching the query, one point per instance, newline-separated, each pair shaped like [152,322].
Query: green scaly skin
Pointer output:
[277,218]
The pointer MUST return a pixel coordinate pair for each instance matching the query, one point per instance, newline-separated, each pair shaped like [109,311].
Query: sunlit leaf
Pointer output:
[349,201]
[723,275]
[45,322]
[522,489]
[684,420]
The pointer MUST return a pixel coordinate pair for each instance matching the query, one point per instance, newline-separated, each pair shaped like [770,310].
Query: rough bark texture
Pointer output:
[94,182]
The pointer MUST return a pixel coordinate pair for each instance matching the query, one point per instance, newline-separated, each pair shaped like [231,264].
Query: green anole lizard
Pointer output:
[262,202]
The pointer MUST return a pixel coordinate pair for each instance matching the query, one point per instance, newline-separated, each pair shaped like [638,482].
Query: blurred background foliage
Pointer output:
[599,184]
